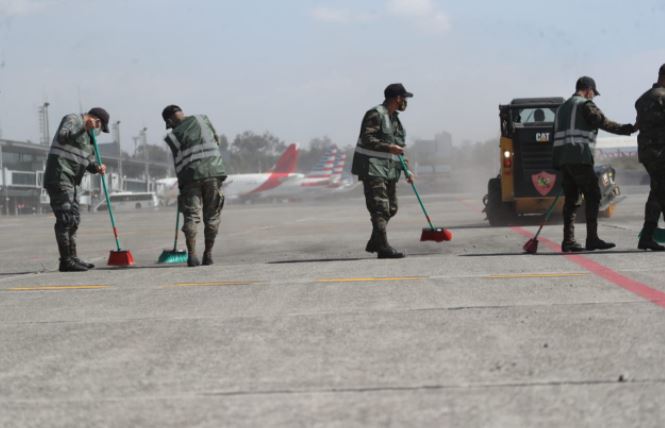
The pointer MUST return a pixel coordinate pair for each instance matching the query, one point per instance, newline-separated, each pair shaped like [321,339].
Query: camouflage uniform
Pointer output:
[200,172]
[379,170]
[576,127]
[71,155]
[651,153]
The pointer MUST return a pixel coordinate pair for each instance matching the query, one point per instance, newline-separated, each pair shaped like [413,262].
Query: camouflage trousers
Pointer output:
[203,196]
[580,180]
[65,206]
[381,200]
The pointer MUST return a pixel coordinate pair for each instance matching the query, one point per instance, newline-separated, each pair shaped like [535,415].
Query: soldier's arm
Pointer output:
[370,132]
[70,128]
[596,118]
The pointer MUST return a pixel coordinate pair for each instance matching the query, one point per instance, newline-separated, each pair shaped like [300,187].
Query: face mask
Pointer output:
[402,105]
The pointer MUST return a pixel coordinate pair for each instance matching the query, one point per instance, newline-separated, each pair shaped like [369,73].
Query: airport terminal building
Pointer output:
[22,167]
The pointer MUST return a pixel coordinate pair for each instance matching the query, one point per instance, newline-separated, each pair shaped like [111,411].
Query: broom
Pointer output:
[174,256]
[437,234]
[531,246]
[119,257]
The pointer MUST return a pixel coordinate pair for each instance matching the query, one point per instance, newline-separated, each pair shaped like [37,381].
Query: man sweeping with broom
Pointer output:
[200,170]
[376,163]
[71,155]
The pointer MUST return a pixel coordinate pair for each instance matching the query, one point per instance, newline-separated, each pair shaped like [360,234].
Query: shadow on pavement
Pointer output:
[550,253]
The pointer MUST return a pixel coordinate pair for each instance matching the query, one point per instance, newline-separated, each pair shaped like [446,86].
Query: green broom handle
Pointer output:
[420,201]
[106,192]
[177,225]
[548,213]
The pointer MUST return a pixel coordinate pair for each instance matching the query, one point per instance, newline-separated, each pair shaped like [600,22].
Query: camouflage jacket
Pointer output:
[71,154]
[651,119]
[378,131]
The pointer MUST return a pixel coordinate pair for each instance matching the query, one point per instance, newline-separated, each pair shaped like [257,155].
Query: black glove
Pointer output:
[627,129]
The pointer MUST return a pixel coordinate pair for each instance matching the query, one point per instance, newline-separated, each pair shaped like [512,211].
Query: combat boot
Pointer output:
[569,245]
[192,259]
[73,253]
[207,253]
[384,250]
[593,242]
[67,264]
[646,239]
[371,246]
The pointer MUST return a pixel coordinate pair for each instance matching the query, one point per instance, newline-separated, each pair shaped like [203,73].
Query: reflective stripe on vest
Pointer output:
[200,151]
[375,154]
[571,135]
[70,153]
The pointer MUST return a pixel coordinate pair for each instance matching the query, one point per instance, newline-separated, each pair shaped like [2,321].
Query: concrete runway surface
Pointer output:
[296,325]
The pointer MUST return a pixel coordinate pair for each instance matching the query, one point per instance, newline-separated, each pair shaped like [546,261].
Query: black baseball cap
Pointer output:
[168,112]
[395,90]
[661,72]
[103,116]
[586,82]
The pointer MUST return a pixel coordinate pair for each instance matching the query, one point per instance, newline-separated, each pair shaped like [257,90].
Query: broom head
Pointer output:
[173,257]
[531,246]
[438,234]
[121,258]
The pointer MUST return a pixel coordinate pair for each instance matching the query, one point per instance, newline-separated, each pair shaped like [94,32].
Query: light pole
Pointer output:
[146,157]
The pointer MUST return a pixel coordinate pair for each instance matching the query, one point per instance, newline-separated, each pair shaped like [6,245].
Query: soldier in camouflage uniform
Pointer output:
[200,170]
[575,130]
[651,153]
[376,163]
[71,155]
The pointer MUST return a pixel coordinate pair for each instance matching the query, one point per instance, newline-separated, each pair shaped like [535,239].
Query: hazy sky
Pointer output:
[303,69]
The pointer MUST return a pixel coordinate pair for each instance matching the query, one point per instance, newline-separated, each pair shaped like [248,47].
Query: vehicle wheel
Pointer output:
[498,213]
[138,206]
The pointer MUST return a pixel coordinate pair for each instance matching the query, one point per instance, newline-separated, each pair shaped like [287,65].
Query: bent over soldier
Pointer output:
[200,170]
[70,156]
[377,165]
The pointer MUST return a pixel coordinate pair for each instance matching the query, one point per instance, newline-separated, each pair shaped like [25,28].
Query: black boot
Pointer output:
[569,245]
[73,253]
[371,246]
[192,259]
[207,253]
[384,250]
[67,264]
[593,242]
[646,239]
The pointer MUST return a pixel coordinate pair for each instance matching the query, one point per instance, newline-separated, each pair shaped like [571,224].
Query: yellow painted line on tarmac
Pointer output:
[372,279]
[213,284]
[59,288]
[536,275]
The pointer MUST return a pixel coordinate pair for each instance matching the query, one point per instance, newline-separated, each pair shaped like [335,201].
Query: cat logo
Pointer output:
[543,137]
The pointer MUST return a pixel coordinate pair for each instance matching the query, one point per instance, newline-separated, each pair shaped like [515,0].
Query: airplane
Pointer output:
[325,179]
[243,186]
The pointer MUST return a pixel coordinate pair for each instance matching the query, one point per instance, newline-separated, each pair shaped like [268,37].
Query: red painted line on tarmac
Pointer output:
[642,290]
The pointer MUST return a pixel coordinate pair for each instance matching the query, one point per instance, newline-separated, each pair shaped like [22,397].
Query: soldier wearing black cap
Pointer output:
[651,153]
[200,170]
[376,163]
[575,129]
[71,155]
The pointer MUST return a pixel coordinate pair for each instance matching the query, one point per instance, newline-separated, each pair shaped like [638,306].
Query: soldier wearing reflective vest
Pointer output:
[651,153]
[376,163]
[200,170]
[70,156]
[576,127]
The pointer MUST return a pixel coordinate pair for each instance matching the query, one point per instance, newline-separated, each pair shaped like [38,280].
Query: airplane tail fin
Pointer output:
[288,162]
[338,169]
[324,168]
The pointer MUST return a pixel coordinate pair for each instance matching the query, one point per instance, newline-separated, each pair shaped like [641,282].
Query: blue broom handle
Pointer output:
[106,192]
[413,186]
